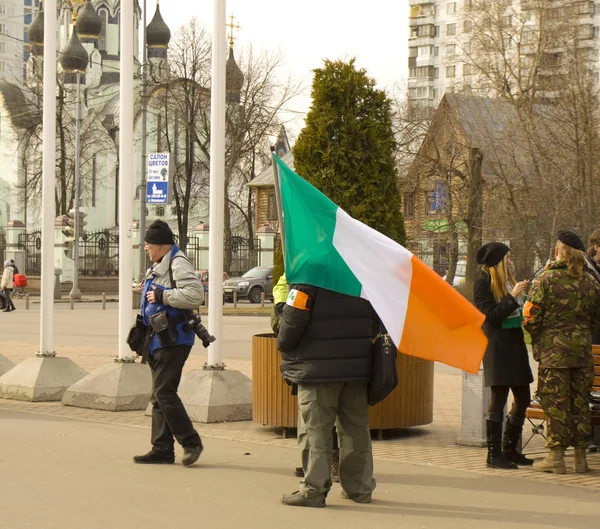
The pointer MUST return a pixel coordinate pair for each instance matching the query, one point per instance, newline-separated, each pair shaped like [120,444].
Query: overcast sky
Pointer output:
[307,31]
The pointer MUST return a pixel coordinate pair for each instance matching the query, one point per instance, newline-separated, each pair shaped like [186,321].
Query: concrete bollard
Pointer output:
[235,300]
[26,301]
[57,274]
[72,302]
[262,300]
[103,301]
[475,400]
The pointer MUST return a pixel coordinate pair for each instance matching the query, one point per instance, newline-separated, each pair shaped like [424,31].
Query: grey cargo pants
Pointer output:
[318,407]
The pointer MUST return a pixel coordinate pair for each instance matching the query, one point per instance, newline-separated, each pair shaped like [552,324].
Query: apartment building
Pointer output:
[442,32]
[15,17]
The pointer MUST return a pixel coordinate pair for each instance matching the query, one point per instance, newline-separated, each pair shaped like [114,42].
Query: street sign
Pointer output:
[157,193]
[159,188]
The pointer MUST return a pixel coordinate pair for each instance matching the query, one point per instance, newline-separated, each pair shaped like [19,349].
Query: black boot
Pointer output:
[495,458]
[155,458]
[510,441]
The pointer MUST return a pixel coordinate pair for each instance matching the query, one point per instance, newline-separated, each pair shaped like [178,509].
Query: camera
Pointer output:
[194,323]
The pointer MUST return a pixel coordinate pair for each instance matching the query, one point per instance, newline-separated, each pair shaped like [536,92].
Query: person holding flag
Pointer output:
[344,278]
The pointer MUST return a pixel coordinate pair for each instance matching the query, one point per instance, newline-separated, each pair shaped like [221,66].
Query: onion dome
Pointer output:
[73,58]
[158,34]
[234,79]
[35,33]
[89,23]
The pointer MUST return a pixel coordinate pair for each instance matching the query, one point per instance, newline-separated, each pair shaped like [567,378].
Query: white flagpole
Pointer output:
[48,181]
[126,182]
[217,187]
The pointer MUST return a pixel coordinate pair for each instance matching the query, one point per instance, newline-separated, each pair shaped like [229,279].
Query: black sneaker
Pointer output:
[155,458]
[191,455]
[297,499]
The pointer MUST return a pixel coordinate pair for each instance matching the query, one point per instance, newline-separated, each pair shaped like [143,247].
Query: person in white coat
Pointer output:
[7,285]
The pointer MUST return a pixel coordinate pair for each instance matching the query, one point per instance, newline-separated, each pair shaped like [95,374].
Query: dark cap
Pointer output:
[492,253]
[571,239]
[159,233]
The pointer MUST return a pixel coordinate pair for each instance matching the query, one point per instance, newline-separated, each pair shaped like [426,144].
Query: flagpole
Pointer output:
[217,187]
[277,182]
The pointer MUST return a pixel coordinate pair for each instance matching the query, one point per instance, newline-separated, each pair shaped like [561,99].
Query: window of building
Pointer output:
[450,71]
[102,40]
[507,21]
[451,8]
[468,26]
[436,73]
[436,51]
[450,29]
[159,133]
[271,208]
[450,49]
[435,93]
[436,10]
[437,199]
[2,29]
[467,69]
[2,66]
[596,9]
[412,73]
[2,47]
[160,211]
[596,32]
[2,9]
[424,51]
[422,92]
[412,52]
[410,202]
[436,31]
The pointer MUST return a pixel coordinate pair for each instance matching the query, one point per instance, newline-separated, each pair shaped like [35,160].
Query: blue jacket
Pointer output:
[185,293]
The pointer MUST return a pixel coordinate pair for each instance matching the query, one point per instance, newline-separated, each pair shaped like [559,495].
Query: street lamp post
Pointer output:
[142,225]
[75,292]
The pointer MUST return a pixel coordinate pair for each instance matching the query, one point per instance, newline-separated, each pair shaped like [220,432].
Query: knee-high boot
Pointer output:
[495,458]
[510,441]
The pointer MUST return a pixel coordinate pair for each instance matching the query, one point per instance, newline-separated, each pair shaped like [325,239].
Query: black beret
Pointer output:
[571,239]
[159,233]
[492,253]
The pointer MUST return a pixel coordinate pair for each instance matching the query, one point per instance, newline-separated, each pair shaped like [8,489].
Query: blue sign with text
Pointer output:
[157,192]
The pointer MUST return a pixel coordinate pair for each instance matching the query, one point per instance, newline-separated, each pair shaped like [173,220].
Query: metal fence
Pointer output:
[240,255]
[99,254]
[32,244]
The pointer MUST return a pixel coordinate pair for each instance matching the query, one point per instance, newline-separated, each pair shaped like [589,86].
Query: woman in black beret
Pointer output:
[506,361]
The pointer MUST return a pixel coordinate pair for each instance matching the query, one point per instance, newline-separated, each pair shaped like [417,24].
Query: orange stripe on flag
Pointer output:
[441,324]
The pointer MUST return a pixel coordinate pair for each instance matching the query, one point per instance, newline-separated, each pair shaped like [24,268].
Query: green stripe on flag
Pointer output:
[309,219]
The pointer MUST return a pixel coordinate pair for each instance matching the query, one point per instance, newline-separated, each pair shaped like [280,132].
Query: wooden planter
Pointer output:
[410,404]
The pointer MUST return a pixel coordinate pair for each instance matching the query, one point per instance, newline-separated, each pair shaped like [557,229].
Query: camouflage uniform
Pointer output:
[560,314]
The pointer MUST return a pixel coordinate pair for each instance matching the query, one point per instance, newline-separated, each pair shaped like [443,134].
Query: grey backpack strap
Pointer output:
[173,282]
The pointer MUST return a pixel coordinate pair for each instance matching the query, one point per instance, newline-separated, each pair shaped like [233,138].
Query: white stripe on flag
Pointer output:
[382,266]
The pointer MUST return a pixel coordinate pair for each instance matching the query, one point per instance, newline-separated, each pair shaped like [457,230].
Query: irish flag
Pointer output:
[325,247]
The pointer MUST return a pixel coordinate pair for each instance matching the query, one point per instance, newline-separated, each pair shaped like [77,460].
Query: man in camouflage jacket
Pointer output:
[560,313]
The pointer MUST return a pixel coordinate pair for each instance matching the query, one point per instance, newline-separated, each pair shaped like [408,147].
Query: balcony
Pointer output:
[420,2]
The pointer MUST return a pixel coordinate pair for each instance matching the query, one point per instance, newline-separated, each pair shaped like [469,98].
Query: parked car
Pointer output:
[203,276]
[251,285]
[460,275]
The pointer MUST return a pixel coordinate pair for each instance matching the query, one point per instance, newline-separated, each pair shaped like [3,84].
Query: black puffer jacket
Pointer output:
[330,340]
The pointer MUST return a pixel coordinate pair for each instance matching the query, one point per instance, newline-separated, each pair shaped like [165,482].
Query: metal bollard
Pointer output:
[206,299]
[262,300]
[72,302]
[103,301]
[26,301]
[235,300]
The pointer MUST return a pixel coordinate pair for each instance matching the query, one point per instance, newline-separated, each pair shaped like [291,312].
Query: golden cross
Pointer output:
[74,4]
[231,27]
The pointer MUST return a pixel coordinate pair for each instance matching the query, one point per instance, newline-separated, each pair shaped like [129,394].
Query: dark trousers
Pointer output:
[9,302]
[169,419]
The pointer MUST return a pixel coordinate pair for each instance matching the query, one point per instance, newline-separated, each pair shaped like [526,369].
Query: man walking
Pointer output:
[171,288]
[325,339]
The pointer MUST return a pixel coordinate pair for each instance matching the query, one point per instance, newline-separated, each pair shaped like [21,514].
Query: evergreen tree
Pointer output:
[347,147]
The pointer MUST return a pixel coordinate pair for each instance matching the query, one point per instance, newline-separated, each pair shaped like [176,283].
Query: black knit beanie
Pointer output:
[159,233]
[492,253]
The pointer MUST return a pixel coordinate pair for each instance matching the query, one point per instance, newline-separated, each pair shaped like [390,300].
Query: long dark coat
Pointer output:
[506,360]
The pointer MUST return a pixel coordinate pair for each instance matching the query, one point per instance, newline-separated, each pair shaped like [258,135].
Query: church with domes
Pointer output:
[89,58]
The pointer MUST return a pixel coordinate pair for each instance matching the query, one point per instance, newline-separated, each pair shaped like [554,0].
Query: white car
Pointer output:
[459,276]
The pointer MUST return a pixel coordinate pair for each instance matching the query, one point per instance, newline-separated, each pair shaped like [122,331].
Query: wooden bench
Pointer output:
[537,417]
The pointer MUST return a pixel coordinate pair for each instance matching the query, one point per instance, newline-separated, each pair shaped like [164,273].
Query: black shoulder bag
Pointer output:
[384,375]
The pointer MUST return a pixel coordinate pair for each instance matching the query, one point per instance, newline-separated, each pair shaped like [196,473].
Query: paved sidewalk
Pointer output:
[70,474]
